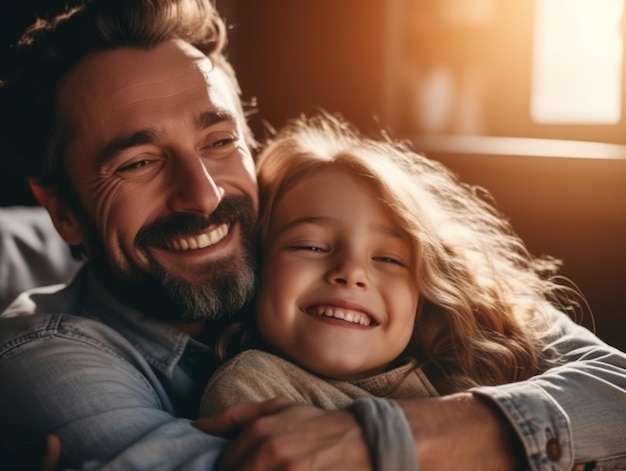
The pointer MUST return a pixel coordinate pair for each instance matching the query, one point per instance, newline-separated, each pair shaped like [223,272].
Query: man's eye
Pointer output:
[221,139]
[226,141]
[134,165]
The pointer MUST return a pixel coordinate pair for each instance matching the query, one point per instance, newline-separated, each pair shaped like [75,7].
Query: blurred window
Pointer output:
[577,62]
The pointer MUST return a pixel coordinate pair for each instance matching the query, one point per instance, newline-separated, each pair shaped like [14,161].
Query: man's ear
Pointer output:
[62,215]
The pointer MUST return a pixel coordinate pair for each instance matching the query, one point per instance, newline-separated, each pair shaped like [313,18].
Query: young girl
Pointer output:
[382,275]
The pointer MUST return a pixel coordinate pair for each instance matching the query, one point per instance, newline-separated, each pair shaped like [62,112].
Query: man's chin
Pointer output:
[219,289]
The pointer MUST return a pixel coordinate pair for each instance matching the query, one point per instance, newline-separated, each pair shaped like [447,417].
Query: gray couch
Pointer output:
[31,252]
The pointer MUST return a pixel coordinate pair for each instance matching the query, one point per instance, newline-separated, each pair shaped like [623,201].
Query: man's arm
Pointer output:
[105,407]
[457,432]
[531,423]
[574,413]
[462,432]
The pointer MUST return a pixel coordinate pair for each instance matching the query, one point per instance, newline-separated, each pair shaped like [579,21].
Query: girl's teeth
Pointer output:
[346,315]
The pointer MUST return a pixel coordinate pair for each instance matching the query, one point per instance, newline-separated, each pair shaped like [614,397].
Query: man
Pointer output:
[137,146]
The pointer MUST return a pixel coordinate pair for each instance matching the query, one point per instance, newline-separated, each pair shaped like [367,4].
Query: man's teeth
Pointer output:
[347,315]
[200,241]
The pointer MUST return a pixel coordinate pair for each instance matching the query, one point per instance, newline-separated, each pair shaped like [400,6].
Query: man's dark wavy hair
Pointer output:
[50,48]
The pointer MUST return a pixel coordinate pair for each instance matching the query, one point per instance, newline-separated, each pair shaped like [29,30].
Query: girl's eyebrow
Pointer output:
[317,220]
[387,231]
[381,229]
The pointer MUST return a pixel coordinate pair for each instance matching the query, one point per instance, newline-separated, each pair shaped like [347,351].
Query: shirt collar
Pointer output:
[161,343]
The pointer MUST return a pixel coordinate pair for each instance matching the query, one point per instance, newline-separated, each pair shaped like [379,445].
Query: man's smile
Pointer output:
[210,237]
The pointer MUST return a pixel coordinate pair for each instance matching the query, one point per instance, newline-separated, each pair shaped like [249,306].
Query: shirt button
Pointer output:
[553,449]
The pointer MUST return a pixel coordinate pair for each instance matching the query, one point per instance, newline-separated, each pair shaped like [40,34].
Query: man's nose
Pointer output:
[349,272]
[193,189]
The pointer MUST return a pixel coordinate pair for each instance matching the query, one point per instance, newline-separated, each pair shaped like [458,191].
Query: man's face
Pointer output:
[164,182]
[337,295]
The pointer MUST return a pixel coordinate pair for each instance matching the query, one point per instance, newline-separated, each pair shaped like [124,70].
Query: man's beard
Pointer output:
[224,287]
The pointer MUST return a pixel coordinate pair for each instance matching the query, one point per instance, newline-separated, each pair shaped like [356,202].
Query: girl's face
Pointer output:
[337,295]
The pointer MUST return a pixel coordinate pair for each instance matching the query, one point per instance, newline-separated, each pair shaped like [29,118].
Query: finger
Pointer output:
[263,456]
[300,437]
[230,422]
[53,453]
[254,433]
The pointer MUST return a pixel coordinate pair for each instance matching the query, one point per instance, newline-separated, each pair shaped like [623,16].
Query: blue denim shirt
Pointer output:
[112,383]
[574,415]
[121,389]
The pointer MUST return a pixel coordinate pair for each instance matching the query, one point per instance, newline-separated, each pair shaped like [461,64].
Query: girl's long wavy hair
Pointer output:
[484,306]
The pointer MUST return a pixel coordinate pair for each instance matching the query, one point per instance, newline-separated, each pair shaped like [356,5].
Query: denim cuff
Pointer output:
[540,423]
[387,432]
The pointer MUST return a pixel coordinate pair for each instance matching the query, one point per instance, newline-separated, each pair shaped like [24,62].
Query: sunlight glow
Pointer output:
[577,68]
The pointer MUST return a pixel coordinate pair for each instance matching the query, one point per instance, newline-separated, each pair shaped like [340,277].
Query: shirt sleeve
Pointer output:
[107,410]
[387,433]
[574,413]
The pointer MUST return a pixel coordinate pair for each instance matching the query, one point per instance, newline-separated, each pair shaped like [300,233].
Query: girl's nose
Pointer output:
[349,273]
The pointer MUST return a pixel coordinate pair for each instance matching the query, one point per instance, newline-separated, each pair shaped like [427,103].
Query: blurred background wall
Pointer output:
[429,66]
[524,98]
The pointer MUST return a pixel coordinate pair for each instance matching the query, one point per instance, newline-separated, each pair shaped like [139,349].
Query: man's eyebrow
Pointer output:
[146,136]
[209,118]
[119,144]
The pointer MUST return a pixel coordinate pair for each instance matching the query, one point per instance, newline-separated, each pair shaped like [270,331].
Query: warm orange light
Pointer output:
[577,62]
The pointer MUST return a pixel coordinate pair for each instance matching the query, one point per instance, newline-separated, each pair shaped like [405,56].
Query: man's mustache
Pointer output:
[231,208]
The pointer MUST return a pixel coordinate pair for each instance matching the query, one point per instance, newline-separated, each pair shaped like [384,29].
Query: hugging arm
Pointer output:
[571,415]
[104,407]
[574,413]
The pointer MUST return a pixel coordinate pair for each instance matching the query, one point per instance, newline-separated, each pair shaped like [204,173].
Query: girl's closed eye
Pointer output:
[308,247]
[390,259]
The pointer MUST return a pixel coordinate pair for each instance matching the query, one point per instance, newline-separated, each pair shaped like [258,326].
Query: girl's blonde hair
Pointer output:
[484,298]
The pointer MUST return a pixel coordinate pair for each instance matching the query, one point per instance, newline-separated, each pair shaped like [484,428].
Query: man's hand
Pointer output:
[52,453]
[280,434]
